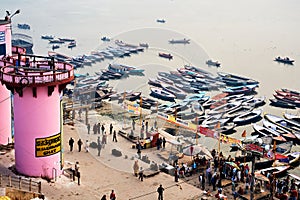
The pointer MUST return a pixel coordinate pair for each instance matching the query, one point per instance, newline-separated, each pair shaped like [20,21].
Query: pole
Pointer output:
[141,115]
[197,130]
[252,178]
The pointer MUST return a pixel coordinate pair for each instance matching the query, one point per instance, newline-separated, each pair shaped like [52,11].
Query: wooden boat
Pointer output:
[214,120]
[275,170]
[285,60]
[47,37]
[56,41]
[186,88]
[284,148]
[59,56]
[174,90]
[255,102]
[72,44]
[24,26]
[164,79]
[224,108]
[292,117]
[146,45]
[281,103]
[236,80]
[195,97]
[244,89]
[154,82]
[248,117]
[279,131]
[180,41]
[165,55]
[238,111]
[161,21]
[294,158]
[66,39]
[131,96]
[105,39]
[213,63]
[162,94]
[226,128]
[289,125]
[55,47]
[172,77]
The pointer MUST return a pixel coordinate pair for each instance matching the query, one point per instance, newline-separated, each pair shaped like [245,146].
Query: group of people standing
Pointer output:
[79,143]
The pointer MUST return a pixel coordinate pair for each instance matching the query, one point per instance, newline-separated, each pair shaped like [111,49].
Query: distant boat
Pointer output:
[213,63]
[146,45]
[47,37]
[165,55]
[66,39]
[285,60]
[56,41]
[161,21]
[181,41]
[72,44]
[55,47]
[105,39]
[24,26]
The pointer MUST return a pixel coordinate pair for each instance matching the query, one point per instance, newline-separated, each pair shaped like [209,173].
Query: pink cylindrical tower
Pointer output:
[5,99]
[37,83]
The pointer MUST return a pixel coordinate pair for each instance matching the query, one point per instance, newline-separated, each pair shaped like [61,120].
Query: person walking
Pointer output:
[104,197]
[136,168]
[164,142]
[99,147]
[102,128]
[111,128]
[87,146]
[79,145]
[133,124]
[95,128]
[88,126]
[141,174]
[160,191]
[112,195]
[115,136]
[78,177]
[98,128]
[71,143]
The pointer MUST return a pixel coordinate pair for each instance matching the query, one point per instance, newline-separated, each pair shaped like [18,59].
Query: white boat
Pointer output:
[180,41]
[47,37]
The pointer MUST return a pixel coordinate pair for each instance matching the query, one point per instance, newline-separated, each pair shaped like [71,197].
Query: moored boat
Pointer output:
[248,117]
[162,94]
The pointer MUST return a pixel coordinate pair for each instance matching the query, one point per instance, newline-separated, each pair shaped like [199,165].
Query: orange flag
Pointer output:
[244,134]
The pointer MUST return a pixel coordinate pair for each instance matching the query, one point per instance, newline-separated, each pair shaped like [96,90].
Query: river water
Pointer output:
[245,36]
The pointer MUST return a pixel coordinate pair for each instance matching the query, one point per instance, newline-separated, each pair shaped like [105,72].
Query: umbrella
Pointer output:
[195,150]
[232,164]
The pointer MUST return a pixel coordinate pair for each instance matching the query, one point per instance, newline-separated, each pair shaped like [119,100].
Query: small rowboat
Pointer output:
[165,55]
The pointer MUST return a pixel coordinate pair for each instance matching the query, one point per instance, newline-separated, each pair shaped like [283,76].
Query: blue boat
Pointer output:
[243,89]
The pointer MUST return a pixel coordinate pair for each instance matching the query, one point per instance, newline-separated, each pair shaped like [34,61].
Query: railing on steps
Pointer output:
[21,183]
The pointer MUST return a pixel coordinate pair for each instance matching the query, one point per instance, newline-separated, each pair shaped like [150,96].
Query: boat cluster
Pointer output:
[286,98]
[56,42]
[118,50]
